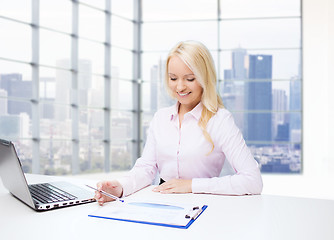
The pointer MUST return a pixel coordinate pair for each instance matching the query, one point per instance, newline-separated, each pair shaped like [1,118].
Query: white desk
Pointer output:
[227,217]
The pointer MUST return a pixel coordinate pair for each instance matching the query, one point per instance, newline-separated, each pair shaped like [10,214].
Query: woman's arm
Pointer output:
[247,178]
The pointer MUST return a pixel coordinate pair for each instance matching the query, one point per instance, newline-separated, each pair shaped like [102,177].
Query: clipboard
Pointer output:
[152,213]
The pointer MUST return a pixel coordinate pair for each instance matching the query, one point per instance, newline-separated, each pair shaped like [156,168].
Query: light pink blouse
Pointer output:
[183,152]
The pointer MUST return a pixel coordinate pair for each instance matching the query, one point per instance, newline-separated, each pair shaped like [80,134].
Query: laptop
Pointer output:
[42,196]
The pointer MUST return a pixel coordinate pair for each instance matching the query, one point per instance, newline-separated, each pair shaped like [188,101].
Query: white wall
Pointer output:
[318,31]
[317,179]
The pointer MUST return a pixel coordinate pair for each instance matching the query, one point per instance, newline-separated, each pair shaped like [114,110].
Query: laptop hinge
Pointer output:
[4,142]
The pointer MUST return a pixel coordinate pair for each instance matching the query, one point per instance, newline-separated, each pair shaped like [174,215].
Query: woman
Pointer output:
[189,142]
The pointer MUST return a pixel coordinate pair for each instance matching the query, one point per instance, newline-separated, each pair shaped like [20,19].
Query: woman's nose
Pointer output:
[180,86]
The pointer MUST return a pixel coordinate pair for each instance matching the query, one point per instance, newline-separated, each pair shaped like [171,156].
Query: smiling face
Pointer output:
[183,84]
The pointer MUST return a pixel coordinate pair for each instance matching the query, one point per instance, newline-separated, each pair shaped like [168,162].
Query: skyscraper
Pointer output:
[233,87]
[3,102]
[280,117]
[258,97]
[295,103]
[16,87]
[64,88]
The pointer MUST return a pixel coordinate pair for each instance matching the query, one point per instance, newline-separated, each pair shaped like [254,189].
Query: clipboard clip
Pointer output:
[194,213]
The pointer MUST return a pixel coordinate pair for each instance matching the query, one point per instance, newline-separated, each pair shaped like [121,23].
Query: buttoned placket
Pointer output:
[175,119]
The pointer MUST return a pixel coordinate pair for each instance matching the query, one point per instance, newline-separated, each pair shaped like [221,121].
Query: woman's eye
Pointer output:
[191,79]
[173,79]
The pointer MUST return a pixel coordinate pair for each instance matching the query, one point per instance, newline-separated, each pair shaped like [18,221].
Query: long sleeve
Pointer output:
[247,178]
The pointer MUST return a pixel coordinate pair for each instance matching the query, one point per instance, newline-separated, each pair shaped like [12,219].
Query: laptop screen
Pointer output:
[12,174]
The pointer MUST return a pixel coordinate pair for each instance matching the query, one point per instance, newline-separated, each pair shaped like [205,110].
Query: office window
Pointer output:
[81,80]
[257,51]
[66,82]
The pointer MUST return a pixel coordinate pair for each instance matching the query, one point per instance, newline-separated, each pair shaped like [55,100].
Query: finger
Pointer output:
[97,195]
[163,188]
[99,186]
[160,187]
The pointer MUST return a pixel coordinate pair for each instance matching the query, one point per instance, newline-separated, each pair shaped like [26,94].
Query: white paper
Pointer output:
[150,212]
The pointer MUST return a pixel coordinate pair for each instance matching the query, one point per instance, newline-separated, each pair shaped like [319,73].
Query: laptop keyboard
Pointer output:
[46,193]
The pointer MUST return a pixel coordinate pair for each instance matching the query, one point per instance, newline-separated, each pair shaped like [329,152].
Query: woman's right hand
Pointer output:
[112,187]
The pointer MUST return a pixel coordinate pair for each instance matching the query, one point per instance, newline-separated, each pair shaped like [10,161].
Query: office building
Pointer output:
[259,98]
[93,76]
[280,117]
[16,87]
[3,102]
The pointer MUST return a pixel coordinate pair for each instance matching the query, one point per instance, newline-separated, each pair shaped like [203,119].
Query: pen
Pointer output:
[106,194]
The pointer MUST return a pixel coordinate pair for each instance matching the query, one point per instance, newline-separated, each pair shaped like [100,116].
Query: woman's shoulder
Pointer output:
[223,113]
[222,121]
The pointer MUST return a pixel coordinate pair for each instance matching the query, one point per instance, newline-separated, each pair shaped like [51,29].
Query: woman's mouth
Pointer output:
[183,94]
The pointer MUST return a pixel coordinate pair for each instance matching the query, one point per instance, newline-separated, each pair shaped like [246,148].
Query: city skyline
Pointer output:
[233,93]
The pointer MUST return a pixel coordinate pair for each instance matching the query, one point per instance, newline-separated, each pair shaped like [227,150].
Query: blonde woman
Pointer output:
[188,143]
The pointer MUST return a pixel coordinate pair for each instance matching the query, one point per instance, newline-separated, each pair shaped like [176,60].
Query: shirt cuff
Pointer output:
[200,185]
[126,185]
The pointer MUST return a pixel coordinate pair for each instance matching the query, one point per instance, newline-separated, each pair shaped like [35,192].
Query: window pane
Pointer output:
[91,155]
[15,80]
[91,23]
[55,157]
[121,125]
[54,47]
[122,65]
[16,124]
[91,53]
[121,94]
[163,36]
[278,158]
[96,92]
[121,32]
[151,61]
[56,15]
[240,95]
[179,10]
[264,127]
[121,155]
[55,121]
[123,8]
[84,83]
[295,95]
[91,124]
[95,3]
[285,64]
[63,82]
[11,9]
[15,40]
[264,33]
[259,8]
[47,86]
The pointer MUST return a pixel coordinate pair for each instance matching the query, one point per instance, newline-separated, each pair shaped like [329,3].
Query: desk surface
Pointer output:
[227,217]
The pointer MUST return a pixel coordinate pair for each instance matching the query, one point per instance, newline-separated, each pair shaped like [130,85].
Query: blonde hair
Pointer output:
[199,60]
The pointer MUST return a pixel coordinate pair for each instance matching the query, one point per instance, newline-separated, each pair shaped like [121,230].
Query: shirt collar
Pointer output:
[195,112]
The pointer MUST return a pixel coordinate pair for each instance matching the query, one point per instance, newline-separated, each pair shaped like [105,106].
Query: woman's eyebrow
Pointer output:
[186,75]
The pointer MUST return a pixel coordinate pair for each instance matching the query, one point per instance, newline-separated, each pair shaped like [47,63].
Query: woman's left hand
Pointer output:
[175,186]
